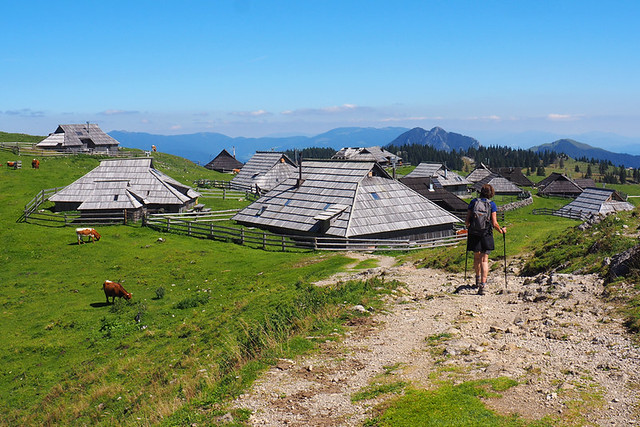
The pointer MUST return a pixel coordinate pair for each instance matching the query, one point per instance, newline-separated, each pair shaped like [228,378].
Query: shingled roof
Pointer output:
[500,185]
[224,162]
[263,171]
[514,175]
[432,190]
[558,184]
[84,137]
[346,199]
[479,173]
[118,184]
[444,176]
[596,201]
[375,154]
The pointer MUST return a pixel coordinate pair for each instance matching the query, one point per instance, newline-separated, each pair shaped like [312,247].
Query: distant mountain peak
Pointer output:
[437,138]
[576,150]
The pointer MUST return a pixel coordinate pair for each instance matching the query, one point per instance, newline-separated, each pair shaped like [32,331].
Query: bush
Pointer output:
[160,293]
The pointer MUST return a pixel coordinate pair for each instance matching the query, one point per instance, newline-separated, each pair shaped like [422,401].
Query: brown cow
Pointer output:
[114,289]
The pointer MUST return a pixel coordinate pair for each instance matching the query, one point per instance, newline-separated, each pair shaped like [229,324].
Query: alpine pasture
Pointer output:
[204,316]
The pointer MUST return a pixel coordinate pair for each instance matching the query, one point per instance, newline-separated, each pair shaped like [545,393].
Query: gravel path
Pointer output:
[553,334]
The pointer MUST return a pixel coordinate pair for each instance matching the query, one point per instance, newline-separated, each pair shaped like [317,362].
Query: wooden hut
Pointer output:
[85,138]
[514,175]
[431,189]
[224,162]
[263,171]
[596,201]
[502,186]
[349,200]
[369,154]
[442,176]
[479,173]
[125,185]
[558,184]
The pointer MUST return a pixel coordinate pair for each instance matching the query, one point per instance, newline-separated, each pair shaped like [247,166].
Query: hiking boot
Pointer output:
[481,289]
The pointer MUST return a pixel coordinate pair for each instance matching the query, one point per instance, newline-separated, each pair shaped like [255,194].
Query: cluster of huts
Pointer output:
[349,196]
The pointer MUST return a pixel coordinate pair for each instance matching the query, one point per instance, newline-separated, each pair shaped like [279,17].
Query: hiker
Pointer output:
[480,222]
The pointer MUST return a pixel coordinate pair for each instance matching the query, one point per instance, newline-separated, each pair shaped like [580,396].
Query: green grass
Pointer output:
[449,405]
[19,137]
[226,312]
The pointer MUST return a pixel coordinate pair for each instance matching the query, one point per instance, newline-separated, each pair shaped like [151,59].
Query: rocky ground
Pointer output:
[567,349]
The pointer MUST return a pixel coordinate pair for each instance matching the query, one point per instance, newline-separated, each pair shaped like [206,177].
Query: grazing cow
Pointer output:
[90,232]
[113,290]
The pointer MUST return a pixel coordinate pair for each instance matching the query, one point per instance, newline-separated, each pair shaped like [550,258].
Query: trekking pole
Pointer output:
[466,257]
[504,241]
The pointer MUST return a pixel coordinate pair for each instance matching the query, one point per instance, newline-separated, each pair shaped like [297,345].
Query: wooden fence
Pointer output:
[266,240]
[564,213]
[226,193]
[32,213]
[28,149]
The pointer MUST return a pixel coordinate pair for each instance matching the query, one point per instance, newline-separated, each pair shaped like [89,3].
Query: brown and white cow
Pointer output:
[114,289]
[90,232]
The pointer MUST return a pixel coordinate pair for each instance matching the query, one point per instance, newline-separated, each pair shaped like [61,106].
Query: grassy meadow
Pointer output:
[211,314]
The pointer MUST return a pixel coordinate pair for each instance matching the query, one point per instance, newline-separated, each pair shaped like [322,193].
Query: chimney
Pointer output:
[300,181]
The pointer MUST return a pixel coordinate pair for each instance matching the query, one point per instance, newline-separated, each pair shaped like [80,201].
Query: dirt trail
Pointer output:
[566,348]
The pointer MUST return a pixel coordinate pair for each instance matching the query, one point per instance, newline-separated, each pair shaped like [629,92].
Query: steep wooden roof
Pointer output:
[559,184]
[514,175]
[500,184]
[224,162]
[125,184]
[430,189]
[479,173]
[70,136]
[375,154]
[344,199]
[440,173]
[265,169]
[597,201]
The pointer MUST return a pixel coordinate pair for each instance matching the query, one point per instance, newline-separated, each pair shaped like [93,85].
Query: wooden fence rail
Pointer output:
[265,240]
[28,149]
[564,213]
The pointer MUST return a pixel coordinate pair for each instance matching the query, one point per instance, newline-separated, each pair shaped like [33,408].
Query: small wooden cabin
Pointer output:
[84,138]
[368,154]
[442,176]
[225,163]
[596,201]
[347,199]
[125,185]
[432,190]
[265,170]
[561,185]
[502,186]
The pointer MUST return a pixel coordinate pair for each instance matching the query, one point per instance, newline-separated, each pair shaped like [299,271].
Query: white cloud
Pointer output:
[176,127]
[117,112]
[258,113]
[562,117]
[336,109]
[409,119]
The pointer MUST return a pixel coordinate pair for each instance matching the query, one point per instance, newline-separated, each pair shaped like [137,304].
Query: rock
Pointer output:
[359,308]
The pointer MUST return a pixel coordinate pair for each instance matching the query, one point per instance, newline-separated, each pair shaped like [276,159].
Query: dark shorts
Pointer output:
[480,243]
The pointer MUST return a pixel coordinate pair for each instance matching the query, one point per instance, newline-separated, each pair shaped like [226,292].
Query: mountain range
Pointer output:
[202,147]
[577,150]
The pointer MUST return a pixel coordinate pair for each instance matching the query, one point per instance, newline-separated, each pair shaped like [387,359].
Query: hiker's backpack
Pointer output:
[480,217]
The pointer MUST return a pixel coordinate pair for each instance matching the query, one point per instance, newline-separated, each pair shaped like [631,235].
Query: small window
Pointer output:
[115,198]
[375,196]
[327,206]
[288,202]
[261,211]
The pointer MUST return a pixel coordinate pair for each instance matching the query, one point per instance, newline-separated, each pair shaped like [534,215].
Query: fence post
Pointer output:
[224,193]
[315,243]
[241,235]
[211,231]
[189,228]
[168,223]
[284,247]
[264,241]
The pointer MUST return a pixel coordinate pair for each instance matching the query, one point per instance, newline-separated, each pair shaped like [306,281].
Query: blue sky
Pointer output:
[256,68]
